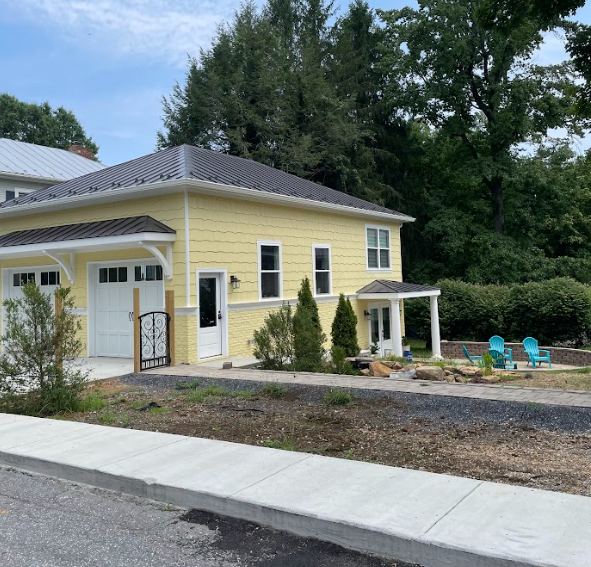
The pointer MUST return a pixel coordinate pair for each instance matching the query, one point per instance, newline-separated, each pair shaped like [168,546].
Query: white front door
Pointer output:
[210,338]
[380,328]
[114,304]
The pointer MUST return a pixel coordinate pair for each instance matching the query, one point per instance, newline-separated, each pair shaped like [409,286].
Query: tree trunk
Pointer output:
[496,192]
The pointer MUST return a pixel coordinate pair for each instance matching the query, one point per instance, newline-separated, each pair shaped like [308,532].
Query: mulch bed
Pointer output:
[525,444]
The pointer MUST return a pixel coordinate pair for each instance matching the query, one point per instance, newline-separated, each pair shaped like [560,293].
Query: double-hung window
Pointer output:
[378,248]
[322,269]
[270,276]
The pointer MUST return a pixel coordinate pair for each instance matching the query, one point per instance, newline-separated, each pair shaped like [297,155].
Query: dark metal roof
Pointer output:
[189,162]
[388,286]
[115,227]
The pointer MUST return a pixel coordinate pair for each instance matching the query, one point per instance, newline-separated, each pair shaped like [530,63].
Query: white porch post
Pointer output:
[435,337]
[396,327]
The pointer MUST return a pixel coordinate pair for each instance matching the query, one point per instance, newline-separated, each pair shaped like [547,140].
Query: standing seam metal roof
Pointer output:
[31,160]
[189,162]
[389,286]
[114,227]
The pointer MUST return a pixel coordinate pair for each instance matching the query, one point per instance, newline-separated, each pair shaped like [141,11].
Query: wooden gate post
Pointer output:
[169,308]
[137,365]
[58,311]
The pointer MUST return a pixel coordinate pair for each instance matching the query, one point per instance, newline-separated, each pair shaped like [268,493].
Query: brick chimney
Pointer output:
[81,151]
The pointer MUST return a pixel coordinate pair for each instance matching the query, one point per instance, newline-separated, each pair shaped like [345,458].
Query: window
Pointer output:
[270,281]
[378,248]
[322,269]
[148,273]
[50,278]
[113,275]
[15,193]
[21,278]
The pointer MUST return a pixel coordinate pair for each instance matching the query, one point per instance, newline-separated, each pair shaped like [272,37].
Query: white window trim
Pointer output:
[18,192]
[314,247]
[270,243]
[378,228]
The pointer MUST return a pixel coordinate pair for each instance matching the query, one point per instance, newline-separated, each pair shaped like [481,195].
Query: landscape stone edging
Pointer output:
[558,355]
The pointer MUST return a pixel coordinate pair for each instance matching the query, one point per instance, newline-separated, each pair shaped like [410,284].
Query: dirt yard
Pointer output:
[572,380]
[526,444]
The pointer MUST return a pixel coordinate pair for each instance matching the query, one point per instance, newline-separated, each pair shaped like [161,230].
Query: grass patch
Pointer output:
[210,394]
[274,390]
[338,398]
[158,410]
[285,444]
[243,394]
[192,385]
[94,401]
[107,418]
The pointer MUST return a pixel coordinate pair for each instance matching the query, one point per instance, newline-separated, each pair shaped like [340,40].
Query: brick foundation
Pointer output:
[572,356]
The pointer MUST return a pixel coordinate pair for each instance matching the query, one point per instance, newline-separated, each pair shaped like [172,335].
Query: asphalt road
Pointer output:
[50,523]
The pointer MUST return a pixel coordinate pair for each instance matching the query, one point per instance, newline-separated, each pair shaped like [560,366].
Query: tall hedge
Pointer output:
[556,312]
[344,327]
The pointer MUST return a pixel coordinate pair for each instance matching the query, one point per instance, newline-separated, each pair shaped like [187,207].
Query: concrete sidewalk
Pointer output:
[414,516]
[572,398]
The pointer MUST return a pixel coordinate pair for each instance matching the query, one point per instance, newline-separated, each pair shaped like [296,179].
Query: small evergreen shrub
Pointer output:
[339,363]
[38,375]
[308,338]
[274,342]
[344,328]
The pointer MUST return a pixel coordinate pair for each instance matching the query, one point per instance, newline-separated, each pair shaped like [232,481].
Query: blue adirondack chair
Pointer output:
[472,359]
[535,354]
[498,343]
[500,360]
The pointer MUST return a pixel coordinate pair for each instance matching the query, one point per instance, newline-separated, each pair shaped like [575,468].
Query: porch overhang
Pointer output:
[62,243]
[393,292]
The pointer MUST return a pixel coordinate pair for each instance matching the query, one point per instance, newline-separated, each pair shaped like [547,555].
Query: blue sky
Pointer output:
[111,61]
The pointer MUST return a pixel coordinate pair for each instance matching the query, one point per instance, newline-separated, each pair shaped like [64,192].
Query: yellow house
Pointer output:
[233,238]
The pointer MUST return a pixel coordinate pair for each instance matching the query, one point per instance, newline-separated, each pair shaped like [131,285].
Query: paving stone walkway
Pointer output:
[571,398]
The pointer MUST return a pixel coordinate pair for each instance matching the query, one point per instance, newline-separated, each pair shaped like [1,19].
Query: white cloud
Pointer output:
[162,30]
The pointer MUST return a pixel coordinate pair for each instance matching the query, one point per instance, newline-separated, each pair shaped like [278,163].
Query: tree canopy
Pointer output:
[41,124]
[441,112]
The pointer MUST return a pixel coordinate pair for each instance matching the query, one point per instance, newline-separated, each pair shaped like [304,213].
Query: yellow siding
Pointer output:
[223,234]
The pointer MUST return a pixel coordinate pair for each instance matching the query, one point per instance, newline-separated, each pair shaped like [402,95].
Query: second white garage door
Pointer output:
[114,303]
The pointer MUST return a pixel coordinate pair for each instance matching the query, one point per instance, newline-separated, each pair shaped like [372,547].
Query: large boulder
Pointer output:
[435,373]
[392,364]
[379,370]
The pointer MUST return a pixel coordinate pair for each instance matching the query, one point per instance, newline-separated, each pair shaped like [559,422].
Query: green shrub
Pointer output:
[273,343]
[467,312]
[339,363]
[308,338]
[556,311]
[344,328]
[39,348]
[338,398]
[274,390]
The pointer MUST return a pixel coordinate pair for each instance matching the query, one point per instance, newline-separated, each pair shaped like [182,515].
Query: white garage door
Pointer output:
[48,280]
[114,304]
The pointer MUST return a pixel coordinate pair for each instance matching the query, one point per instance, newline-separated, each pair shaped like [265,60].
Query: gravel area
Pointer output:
[446,408]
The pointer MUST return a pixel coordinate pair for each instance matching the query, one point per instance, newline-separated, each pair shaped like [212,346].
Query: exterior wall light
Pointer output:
[235,282]
[367,315]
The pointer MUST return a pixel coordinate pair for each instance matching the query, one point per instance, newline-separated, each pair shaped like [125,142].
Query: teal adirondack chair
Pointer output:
[500,360]
[535,354]
[472,359]
[498,343]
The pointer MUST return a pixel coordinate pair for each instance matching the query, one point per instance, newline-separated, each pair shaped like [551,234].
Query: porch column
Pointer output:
[435,337]
[396,327]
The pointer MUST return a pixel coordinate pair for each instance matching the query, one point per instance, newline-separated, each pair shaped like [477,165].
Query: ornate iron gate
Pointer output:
[154,340]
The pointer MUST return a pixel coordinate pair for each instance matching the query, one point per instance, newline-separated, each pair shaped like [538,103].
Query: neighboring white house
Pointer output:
[28,167]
